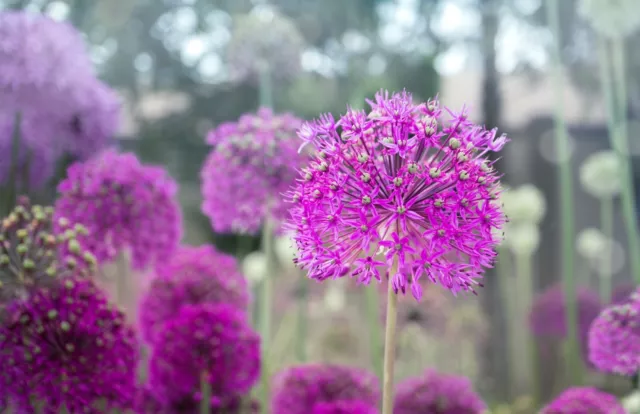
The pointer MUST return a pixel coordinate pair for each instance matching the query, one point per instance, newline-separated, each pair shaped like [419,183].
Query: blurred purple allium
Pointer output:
[614,339]
[403,181]
[191,276]
[69,347]
[253,161]
[547,318]
[124,205]
[301,389]
[345,407]
[584,400]
[622,293]
[204,341]
[436,392]
[147,403]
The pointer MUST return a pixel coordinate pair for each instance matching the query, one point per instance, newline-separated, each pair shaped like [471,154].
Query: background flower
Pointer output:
[584,400]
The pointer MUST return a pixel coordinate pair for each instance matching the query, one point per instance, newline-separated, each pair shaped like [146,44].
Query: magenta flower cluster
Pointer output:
[124,205]
[191,276]
[434,392]
[403,180]
[324,389]
[253,161]
[583,400]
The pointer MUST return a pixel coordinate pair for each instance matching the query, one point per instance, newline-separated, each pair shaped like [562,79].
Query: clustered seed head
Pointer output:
[192,276]
[33,255]
[614,339]
[204,342]
[125,205]
[578,400]
[304,388]
[403,181]
[253,161]
[435,392]
[67,346]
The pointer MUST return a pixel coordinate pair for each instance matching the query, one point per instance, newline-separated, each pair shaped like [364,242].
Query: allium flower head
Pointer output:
[614,339]
[401,181]
[210,342]
[254,160]
[124,205]
[32,255]
[583,400]
[612,18]
[524,204]
[435,392]
[600,173]
[69,347]
[522,238]
[303,389]
[191,276]
[592,244]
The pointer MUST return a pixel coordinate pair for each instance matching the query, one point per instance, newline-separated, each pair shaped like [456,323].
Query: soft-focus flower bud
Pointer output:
[600,174]
[285,251]
[612,18]
[524,204]
[254,266]
[592,244]
[631,403]
[523,239]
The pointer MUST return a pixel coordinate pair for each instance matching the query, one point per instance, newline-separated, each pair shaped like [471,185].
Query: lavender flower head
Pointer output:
[435,392]
[124,205]
[210,342]
[403,181]
[254,160]
[193,275]
[67,346]
[614,339]
[582,400]
[320,389]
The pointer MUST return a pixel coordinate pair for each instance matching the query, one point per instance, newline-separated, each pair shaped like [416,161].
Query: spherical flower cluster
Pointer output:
[592,244]
[69,347]
[254,160]
[600,173]
[614,19]
[304,388]
[547,318]
[401,181]
[32,255]
[581,400]
[523,239]
[206,342]
[191,276]
[435,392]
[264,40]
[614,340]
[124,205]
[524,204]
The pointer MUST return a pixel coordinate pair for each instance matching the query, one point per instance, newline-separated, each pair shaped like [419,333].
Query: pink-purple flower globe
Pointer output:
[206,342]
[253,161]
[403,181]
[124,205]
[191,276]
[303,389]
[584,400]
[437,393]
[614,339]
[67,346]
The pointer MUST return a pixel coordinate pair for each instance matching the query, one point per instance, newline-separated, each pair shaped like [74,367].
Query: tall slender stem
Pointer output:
[566,198]
[265,306]
[605,275]
[389,343]
[372,304]
[205,391]
[506,280]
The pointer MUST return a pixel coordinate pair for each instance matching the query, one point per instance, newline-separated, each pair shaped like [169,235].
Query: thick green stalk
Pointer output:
[606,223]
[372,304]
[265,90]
[566,199]
[390,343]
[506,280]
[266,287]
[302,319]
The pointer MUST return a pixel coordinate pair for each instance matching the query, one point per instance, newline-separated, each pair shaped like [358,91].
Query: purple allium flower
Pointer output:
[254,160]
[584,400]
[124,205]
[547,318]
[435,392]
[622,293]
[614,340]
[69,347]
[207,341]
[300,389]
[344,407]
[403,181]
[191,276]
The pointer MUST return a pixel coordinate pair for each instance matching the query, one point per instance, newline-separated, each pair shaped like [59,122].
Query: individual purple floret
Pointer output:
[253,161]
[435,392]
[304,388]
[206,342]
[547,318]
[614,340]
[67,346]
[191,276]
[404,181]
[584,400]
[124,205]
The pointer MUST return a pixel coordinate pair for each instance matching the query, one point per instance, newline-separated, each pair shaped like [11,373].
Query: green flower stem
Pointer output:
[573,362]
[205,391]
[372,304]
[606,223]
[302,319]
[265,91]
[389,343]
[504,269]
[266,287]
